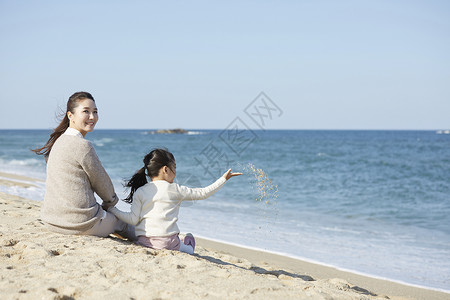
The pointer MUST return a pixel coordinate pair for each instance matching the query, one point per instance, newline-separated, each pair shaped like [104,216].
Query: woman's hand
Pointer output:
[228,174]
[106,206]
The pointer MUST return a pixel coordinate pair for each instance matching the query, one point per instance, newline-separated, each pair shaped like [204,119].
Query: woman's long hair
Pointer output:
[153,162]
[72,103]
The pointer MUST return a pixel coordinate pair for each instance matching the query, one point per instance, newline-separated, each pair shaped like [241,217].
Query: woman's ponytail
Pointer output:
[57,132]
[139,179]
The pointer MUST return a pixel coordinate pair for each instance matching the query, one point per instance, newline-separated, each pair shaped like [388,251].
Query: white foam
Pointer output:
[195,132]
[21,162]
[34,192]
[102,142]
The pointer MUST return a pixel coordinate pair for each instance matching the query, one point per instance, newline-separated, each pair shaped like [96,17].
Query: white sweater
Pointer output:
[155,206]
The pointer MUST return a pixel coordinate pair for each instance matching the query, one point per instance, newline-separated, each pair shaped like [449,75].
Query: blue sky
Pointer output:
[198,64]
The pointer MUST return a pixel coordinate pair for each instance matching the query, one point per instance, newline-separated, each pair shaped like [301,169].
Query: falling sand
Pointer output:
[266,191]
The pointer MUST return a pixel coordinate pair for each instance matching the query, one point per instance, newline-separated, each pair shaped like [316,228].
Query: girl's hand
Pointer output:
[228,174]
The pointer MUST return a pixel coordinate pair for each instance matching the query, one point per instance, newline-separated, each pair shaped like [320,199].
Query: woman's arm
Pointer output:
[99,179]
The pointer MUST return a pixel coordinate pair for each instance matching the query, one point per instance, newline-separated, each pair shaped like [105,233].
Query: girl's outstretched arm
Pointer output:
[228,174]
[186,193]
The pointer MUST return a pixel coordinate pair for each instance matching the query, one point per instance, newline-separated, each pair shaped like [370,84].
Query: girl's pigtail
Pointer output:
[139,179]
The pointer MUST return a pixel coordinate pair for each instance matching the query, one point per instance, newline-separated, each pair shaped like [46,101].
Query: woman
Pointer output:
[74,173]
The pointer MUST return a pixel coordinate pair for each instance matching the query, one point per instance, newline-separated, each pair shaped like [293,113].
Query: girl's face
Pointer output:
[167,173]
[171,173]
[84,117]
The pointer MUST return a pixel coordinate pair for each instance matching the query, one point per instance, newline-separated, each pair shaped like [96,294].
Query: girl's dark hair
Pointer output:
[153,162]
[72,103]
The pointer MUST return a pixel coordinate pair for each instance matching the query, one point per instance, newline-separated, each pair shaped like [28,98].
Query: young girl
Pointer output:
[155,205]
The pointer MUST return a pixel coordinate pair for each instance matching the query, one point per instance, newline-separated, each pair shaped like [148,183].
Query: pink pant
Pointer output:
[160,242]
[172,242]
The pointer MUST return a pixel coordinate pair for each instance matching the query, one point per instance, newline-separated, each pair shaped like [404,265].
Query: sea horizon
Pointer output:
[252,129]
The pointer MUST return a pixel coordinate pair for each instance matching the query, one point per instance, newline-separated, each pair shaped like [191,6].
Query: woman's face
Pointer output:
[84,117]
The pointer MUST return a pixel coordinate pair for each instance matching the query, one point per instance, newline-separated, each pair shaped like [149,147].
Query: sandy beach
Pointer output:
[37,264]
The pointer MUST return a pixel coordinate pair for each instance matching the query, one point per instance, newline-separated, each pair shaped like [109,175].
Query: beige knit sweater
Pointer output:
[74,173]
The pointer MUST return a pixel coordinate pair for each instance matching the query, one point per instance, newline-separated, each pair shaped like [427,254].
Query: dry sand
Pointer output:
[37,264]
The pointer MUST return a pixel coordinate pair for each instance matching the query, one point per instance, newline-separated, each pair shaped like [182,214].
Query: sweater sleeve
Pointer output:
[186,193]
[99,179]
[134,216]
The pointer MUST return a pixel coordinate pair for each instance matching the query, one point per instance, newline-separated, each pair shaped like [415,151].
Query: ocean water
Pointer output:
[373,202]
